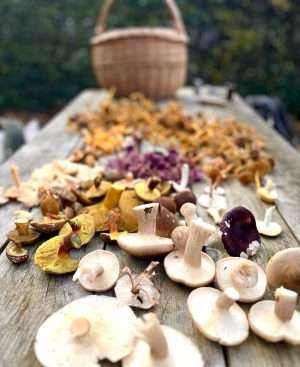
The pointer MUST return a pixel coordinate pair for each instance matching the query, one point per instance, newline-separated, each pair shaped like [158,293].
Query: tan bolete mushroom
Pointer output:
[244,275]
[98,271]
[192,267]
[81,228]
[283,269]
[16,253]
[266,227]
[277,320]
[217,315]
[23,234]
[147,190]
[50,204]
[48,225]
[85,332]
[266,193]
[145,242]
[162,346]
[137,290]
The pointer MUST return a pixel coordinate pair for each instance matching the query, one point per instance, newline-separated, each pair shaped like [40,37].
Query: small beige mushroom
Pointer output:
[266,193]
[16,253]
[162,346]
[277,320]
[137,290]
[243,275]
[145,242]
[217,315]
[283,269]
[98,271]
[192,267]
[23,234]
[179,237]
[266,227]
[189,212]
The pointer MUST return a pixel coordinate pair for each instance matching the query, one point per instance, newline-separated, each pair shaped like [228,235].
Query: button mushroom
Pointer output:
[184,180]
[16,253]
[98,271]
[279,320]
[268,228]
[145,242]
[266,193]
[162,346]
[192,267]
[147,190]
[137,290]
[217,315]
[240,236]
[23,234]
[283,270]
[85,332]
[243,275]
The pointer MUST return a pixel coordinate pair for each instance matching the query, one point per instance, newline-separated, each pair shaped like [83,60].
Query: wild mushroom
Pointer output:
[189,212]
[48,225]
[145,242]
[98,189]
[50,204]
[147,190]
[128,201]
[179,237]
[185,196]
[81,228]
[217,315]
[23,234]
[266,193]
[192,267]
[166,222]
[240,236]
[283,269]
[85,332]
[162,346]
[53,256]
[243,275]
[268,228]
[184,180]
[214,201]
[137,290]
[277,320]
[16,253]
[168,203]
[98,271]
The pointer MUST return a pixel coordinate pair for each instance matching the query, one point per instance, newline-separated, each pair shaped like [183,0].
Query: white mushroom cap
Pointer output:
[98,271]
[163,346]
[85,331]
[266,227]
[217,316]
[279,320]
[192,267]
[244,275]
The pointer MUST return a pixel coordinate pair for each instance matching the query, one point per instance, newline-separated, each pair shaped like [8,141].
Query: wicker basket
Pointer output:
[148,60]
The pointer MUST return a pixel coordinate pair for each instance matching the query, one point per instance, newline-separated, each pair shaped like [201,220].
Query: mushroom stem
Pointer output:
[146,217]
[185,173]
[80,327]
[257,180]
[96,271]
[188,210]
[285,303]
[155,337]
[244,274]
[15,176]
[269,186]
[149,271]
[22,226]
[227,298]
[268,216]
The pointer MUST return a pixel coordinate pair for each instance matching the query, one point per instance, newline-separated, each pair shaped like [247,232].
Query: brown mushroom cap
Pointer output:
[98,271]
[48,225]
[279,320]
[168,203]
[217,316]
[283,270]
[243,275]
[185,196]
[166,222]
[23,234]
[16,254]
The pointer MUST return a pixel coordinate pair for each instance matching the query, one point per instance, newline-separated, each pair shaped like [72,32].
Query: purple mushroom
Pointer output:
[239,232]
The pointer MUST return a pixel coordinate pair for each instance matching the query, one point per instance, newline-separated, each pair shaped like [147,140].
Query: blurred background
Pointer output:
[45,54]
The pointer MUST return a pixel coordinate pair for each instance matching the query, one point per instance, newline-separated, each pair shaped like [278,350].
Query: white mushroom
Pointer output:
[214,201]
[86,331]
[137,290]
[266,227]
[277,320]
[217,315]
[162,346]
[192,267]
[98,271]
[184,180]
[145,243]
[179,236]
[266,193]
[243,275]
[189,212]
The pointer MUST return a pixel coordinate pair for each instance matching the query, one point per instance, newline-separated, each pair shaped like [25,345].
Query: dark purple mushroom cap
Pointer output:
[239,230]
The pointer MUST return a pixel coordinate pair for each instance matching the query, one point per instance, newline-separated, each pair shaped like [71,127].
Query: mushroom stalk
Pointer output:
[244,274]
[80,327]
[146,217]
[285,303]
[22,226]
[185,171]
[193,248]
[155,337]
[15,175]
[227,298]
[268,216]
[96,271]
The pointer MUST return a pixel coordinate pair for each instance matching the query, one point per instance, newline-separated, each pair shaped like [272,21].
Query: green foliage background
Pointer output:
[44,52]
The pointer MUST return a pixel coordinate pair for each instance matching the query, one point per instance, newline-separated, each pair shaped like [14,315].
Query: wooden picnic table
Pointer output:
[28,296]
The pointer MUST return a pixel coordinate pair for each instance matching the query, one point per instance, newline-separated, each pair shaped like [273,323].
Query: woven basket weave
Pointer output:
[148,60]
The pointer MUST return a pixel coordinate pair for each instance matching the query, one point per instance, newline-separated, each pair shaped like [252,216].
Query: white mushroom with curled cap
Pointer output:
[277,320]
[244,275]
[162,346]
[192,267]
[217,315]
[85,332]
[98,271]
[266,226]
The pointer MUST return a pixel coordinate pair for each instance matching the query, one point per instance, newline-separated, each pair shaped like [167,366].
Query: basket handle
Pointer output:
[172,6]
